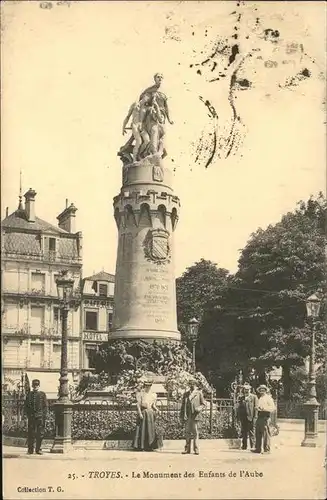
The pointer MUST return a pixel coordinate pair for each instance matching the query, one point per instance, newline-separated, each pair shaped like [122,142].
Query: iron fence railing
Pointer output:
[115,419]
[296,410]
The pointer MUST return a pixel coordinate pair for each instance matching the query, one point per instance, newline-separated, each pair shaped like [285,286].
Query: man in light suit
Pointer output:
[247,413]
[36,411]
[192,405]
[266,406]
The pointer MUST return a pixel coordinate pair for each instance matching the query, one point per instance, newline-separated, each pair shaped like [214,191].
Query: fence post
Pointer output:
[18,400]
[211,411]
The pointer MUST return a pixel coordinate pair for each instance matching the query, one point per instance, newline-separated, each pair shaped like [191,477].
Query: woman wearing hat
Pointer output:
[266,406]
[146,438]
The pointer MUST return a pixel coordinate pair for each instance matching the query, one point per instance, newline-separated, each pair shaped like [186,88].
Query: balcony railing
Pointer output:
[24,329]
[51,331]
[28,330]
[41,256]
[41,294]
[36,291]
[46,363]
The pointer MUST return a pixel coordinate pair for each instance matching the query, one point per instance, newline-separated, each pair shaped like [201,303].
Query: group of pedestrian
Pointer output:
[254,413]
[146,435]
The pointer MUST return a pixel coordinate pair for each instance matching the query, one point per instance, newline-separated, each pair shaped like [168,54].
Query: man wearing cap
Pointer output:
[192,406]
[266,406]
[247,412]
[36,411]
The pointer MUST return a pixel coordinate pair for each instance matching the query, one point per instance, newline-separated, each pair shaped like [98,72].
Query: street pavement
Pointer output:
[288,472]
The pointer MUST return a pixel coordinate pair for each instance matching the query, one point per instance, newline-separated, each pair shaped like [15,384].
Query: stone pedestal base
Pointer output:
[310,441]
[134,333]
[311,424]
[61,446]
[63,418]
[146,212]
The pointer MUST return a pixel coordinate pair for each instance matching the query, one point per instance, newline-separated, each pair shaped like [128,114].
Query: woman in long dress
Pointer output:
[146,438]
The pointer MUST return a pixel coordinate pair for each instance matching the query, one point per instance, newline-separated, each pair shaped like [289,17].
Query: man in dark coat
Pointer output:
[247,412]
[36,411]
[192,405]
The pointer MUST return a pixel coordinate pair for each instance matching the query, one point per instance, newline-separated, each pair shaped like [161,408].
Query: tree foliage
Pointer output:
[254,319]
[278,269]
[200,286]
[257,318]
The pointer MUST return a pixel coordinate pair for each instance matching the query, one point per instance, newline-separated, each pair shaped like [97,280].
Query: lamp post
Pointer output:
[193,331]
[63,406]
[311,405]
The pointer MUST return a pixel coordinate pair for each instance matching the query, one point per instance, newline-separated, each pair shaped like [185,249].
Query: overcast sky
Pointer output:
[70,73]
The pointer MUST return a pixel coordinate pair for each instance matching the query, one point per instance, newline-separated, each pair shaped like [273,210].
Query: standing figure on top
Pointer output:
[149,115]
[153,129]
[160,96]
[137,111]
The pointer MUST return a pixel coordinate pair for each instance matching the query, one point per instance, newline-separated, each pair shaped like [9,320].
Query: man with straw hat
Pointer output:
[266,406]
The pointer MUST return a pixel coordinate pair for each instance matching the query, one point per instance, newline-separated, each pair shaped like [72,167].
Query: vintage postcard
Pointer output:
[163,291]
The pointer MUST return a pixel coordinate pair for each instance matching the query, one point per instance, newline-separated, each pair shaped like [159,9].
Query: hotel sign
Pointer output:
[95,336]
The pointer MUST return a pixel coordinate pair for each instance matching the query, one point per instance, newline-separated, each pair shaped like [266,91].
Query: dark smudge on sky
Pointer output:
[221,59]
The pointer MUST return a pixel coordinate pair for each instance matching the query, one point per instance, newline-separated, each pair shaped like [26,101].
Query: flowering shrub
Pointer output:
[19,428]
[128,383]
[158,357]
[178,381]
[101,423]
[121,423]
[91,381]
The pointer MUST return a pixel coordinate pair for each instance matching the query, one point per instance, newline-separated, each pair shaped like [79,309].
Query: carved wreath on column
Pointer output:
[156,246]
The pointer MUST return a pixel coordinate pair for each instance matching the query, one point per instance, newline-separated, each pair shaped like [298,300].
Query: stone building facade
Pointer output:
[33,253]
[96,314]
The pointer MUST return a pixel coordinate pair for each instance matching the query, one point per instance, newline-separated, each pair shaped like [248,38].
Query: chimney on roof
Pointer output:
[7,211]
[66,220]
[30,204]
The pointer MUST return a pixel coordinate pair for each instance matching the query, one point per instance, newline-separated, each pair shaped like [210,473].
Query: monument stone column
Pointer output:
[146,213]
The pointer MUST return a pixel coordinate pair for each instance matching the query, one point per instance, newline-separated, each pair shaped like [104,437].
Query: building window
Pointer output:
[103,290]
[56,314]
[37,320]
[11,314]
[90,355]
[52,244]
[110,316]
[56,320]
[56,355]
[36,355]
[11,354]
[91,320]
[38,282]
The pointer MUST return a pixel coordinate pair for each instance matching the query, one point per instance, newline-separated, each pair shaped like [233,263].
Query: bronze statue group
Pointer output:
[147,117]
